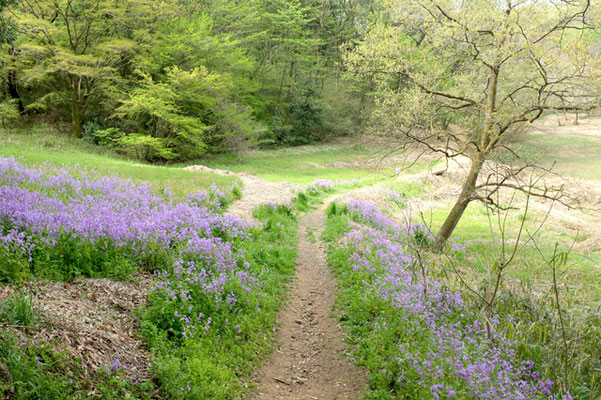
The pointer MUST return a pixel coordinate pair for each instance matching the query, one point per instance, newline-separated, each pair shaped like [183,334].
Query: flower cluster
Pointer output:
[395,197]
[320,185]
[62,215]
[42,204]
[327,185]
[287,207]
[438,345]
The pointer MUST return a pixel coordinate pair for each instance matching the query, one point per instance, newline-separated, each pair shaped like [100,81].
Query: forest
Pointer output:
[173,80]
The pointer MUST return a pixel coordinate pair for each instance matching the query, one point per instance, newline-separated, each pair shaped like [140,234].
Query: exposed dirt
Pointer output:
[310,361]
[255,191]
[91,319]
[566,125]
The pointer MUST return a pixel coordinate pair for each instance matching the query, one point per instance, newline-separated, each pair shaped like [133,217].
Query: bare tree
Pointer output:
[458,78]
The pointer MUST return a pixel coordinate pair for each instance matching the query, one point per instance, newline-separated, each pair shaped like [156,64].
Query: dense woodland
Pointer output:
[173,79]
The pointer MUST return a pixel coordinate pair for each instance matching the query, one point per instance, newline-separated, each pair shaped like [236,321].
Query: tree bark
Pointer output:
[461,204]
[76,106]
[12,82]
[13,91]
[75,115]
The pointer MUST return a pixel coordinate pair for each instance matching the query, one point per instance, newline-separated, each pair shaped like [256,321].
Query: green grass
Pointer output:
[302,165]
[527,318]
[18,310]
[574,155]
[582,274]
[31,369]
[43,144]
[217,364]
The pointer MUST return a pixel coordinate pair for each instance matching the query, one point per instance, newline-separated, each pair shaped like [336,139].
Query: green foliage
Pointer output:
[13,268]
[34,371]
[18,309]
[172,80]
[73,257]
[338,222]
[215,365]
[9,113]
[534,325]
[178,115]
[7,27]
[334,209]
[96,134]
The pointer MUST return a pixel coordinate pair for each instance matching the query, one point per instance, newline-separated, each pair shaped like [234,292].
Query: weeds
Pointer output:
[18,310]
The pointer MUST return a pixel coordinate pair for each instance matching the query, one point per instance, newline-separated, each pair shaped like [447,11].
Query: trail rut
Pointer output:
[309,362]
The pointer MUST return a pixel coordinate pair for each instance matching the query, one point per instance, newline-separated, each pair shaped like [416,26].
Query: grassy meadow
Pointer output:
[218,364]
[43,144]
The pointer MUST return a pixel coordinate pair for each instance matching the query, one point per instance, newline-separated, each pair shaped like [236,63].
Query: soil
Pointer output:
[92,319]
[255,191]
[311,360]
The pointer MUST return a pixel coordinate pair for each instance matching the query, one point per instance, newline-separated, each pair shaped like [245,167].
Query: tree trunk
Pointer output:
[458,209]
[12,89]
[75,116]
[12,82]
[75,106]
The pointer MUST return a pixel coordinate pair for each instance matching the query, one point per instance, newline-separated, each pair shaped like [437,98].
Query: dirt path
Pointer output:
[310,362]
[255,191]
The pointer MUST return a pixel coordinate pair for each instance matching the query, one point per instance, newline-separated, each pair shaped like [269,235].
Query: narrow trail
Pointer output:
[255,191]
[310,362]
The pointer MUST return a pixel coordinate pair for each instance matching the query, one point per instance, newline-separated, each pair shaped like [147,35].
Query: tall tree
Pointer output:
[458,77]
[67,47]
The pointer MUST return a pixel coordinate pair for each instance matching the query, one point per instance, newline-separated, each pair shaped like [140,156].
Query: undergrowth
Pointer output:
[31,369]
[419,336]
[217,360]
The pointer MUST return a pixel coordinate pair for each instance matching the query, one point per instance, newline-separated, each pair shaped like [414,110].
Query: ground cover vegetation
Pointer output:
[447,308]
[43,143]
[423,332]
[218,285]
[219,280]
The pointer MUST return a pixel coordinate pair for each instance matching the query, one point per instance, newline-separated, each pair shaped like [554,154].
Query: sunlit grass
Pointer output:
[574,155]
[42,144]
[302,165]
[581,276]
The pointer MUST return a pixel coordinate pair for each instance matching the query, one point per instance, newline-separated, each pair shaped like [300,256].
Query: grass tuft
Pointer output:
[18,310]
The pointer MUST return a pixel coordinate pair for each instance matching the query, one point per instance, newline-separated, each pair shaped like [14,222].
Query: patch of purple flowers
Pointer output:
[327,185]
[39,204]
[441,348]
[42,205]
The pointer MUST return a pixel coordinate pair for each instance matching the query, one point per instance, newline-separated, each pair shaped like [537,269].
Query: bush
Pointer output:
[9,113]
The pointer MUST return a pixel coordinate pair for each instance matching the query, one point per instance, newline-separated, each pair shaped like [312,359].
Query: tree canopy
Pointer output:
[173,79]
[456,78]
